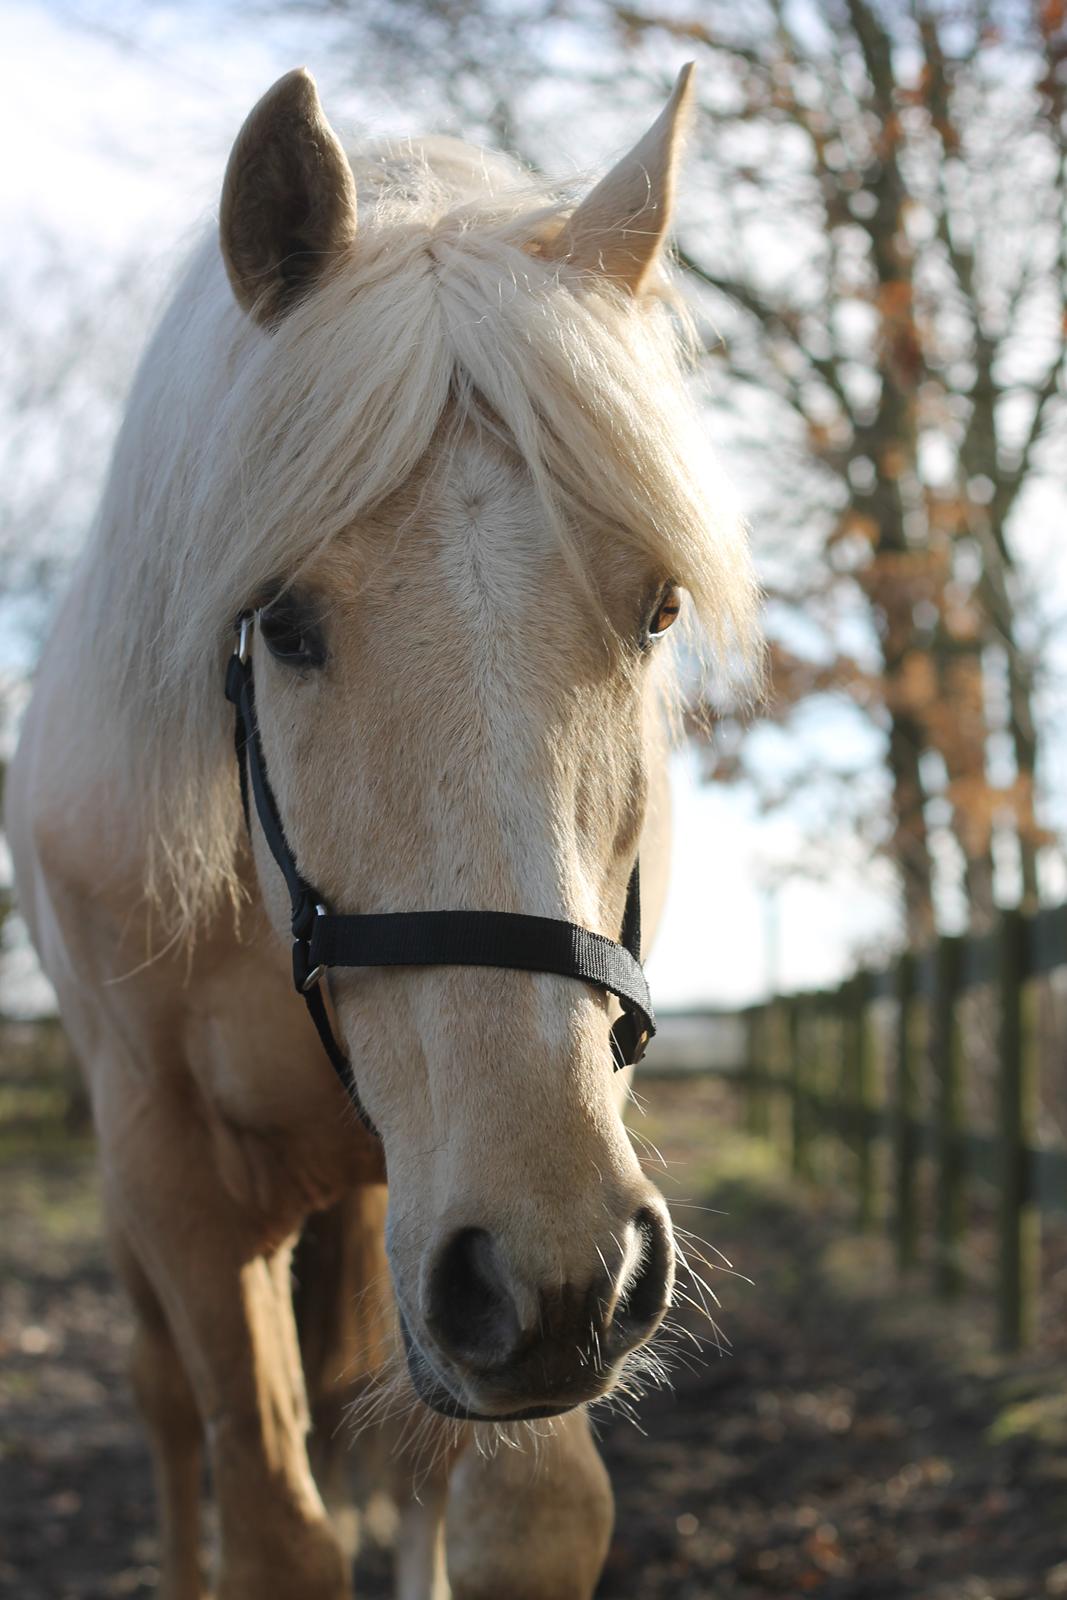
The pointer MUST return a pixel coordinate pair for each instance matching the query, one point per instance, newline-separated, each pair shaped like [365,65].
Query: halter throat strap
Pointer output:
[505,939]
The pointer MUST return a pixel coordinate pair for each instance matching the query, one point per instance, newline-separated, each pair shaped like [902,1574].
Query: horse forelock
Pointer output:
[245,454]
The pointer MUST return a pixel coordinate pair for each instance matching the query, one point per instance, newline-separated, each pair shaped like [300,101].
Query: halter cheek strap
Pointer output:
[504,939]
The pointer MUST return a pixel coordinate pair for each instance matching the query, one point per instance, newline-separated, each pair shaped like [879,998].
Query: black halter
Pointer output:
[429,938]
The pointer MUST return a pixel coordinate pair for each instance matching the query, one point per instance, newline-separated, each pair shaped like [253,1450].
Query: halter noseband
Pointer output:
[507,939]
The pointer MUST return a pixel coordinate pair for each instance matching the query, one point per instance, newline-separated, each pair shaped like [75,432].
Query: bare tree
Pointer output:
[922,349]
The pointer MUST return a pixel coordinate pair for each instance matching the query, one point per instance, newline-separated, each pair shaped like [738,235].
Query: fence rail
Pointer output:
[808,1073]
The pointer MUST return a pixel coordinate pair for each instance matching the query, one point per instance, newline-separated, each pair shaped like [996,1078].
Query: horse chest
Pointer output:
[283,1136]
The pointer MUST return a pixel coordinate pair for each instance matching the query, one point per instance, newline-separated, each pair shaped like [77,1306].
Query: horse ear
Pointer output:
[288,200]
[618,230]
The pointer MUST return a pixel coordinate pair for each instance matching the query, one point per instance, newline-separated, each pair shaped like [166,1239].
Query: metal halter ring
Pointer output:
[317,973]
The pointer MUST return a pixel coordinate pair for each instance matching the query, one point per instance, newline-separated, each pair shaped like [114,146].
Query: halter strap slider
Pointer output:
[318,972]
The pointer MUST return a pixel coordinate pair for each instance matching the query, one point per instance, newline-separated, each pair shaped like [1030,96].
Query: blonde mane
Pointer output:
[244,453]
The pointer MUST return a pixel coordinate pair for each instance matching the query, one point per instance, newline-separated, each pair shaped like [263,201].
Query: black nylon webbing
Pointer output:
[302,897]
[479,939]
[500,939]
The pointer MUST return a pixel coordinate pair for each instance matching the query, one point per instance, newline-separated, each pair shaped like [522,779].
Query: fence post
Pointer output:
[842,1097]
[862,1075]
[817,1096]
[764,1069]
[905,1218]
[751,1068]
[798,1050]
[758,1092]
[947,1063]
[1019,1221]
[780,1069]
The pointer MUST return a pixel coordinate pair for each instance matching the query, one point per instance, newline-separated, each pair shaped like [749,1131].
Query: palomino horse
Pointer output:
[435,447]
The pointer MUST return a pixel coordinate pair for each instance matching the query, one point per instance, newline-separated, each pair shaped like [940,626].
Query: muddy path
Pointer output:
[856,1443]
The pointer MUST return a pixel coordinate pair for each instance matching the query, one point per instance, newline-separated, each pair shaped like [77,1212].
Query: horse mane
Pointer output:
[243,454]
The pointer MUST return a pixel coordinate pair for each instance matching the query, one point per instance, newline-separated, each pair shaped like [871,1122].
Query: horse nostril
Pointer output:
[471,1311]
[646,1296]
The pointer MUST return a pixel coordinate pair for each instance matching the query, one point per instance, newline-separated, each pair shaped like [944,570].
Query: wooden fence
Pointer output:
[809,1073]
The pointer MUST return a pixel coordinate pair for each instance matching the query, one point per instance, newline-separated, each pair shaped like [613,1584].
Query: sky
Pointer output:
[118,155]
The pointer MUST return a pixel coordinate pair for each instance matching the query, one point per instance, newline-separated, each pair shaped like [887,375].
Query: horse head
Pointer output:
[483,490]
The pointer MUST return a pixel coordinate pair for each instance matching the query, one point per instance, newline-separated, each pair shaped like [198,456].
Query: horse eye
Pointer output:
[291,636]
[666,612]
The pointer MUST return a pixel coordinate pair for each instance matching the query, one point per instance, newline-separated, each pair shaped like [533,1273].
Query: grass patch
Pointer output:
[1042,1418]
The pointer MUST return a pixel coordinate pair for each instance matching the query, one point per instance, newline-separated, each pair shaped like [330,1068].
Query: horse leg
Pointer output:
[345,1320]
[222,1277]
[348,1338]
[532,1523]
[168,1406]
[419,1572]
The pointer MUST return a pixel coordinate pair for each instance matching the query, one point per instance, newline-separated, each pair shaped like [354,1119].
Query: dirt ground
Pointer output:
[858,1442]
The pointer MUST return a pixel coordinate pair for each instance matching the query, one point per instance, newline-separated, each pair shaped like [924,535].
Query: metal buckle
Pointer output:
[244,642]
[628,1039]
[316,974]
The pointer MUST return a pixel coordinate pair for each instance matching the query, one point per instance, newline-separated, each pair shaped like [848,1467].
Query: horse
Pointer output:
[423,424]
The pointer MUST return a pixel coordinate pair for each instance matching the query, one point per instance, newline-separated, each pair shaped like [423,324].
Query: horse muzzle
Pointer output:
[498,1348]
